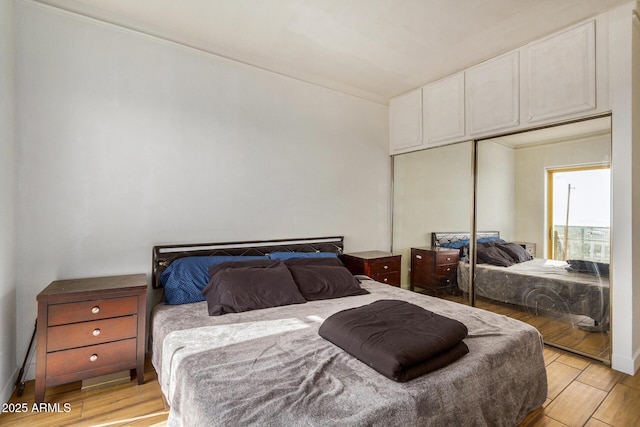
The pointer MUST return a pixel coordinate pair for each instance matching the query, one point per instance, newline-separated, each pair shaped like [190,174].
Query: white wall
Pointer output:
[7,203]
[126,141]
[530,180]
[625,121]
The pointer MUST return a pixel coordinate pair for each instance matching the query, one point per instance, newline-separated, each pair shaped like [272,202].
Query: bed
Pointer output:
[270,366]
[537,284]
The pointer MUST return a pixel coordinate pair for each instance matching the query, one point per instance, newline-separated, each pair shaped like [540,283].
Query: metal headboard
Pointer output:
[163,255]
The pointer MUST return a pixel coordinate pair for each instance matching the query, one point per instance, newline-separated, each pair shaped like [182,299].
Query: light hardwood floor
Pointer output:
[581,393]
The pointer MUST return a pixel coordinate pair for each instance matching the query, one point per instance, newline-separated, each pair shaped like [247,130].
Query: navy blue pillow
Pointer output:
[455,245]
[282,256]
[185,278]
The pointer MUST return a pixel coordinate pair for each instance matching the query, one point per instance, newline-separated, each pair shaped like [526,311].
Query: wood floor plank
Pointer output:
[574,361]
[595,423]
[542,420]
[575,405]
[601,377]
[559,376]
[621,407]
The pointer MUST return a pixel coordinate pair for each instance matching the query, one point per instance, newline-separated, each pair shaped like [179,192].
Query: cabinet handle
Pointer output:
[385,267]
[385,279]
[93,357]
[95,310]
[448,258]
[448,268]
[96,332]
[418,256]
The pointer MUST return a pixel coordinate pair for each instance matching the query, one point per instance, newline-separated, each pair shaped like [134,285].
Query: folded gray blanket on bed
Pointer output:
[398,339]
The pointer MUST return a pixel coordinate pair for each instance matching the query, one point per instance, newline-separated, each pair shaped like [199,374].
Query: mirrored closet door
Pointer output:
[432,193]
[540,206]
[543,210]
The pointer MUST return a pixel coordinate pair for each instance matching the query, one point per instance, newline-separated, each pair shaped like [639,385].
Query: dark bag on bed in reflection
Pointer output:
[589,267]
[399,340]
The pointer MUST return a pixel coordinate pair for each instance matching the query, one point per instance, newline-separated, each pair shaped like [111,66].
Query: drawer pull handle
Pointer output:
[418,256]
[448,258]
[93,357]
[385,267]
[95,310]
[385,279]
[448,268]
[96,332]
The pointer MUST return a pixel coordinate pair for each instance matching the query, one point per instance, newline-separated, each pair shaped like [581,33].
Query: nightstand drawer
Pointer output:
[443,258]
[383,266]
[92,357]
[445,270]
[90,333]
[61,314]
[392,278]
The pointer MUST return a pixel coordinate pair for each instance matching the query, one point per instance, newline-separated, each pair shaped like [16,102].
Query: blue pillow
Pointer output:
[490,239]
[455,245]
[282,256]
[186,277]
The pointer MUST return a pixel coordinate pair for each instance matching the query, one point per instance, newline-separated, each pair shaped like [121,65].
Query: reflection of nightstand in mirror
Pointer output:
[530,247]
[434,269]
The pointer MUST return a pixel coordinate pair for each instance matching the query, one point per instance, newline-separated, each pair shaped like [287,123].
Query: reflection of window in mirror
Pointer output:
[579,213]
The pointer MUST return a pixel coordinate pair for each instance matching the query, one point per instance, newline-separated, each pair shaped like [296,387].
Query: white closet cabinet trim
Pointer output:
[443,110]
[405,120]
[493,95]
[562,74]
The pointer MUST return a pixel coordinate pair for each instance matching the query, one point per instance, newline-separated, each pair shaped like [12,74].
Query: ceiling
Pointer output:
[374,49]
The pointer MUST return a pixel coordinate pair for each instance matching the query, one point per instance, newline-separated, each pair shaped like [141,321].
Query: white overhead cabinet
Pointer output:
[561,74]
[493,95]
[551,80]
[443,110]
[405,121]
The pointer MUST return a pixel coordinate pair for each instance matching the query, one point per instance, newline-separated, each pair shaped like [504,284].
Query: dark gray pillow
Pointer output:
[235,287]
[517,252]
[323,278]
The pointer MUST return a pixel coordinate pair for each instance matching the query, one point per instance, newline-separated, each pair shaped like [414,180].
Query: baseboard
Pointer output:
[8,388]
[626,364]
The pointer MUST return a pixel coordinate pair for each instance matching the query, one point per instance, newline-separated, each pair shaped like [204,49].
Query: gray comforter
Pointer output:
[270,367]
[543,285]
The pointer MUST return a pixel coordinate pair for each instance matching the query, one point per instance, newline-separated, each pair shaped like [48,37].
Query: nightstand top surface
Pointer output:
[371,254]
[437,249]
[89,284]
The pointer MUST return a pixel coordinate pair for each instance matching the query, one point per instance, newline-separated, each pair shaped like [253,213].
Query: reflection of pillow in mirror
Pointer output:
[490,239]
[517,252]
[455,245]
[489,254]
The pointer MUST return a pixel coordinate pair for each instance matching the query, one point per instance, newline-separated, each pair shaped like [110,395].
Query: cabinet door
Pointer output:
[493,94]
[562,74]
[405,120]
[443,110]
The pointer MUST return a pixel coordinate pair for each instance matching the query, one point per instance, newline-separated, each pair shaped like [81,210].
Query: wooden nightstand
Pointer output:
[380,266]
[90,327]
[434,269]
[529,247]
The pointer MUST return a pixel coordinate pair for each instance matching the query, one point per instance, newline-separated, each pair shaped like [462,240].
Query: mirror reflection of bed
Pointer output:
[564,290]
